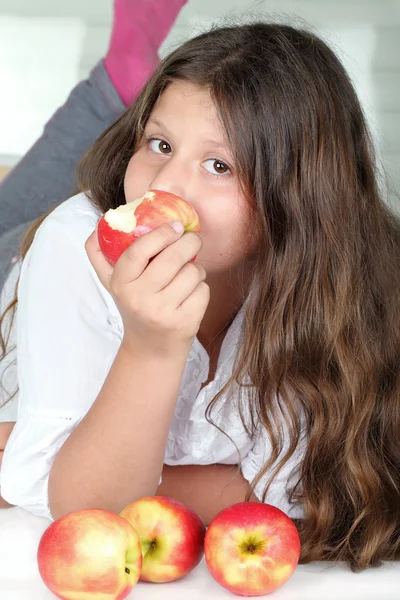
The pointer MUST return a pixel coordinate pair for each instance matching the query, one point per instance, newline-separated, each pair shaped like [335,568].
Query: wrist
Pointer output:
[176,355]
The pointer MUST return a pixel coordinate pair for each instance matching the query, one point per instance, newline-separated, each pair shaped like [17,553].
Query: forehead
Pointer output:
[183,100]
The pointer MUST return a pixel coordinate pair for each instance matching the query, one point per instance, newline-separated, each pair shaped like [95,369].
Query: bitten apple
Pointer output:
[251,549]
[89,554]
[118,228]
[171,534]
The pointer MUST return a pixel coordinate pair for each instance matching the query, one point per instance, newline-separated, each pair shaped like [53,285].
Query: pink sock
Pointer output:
[139,28]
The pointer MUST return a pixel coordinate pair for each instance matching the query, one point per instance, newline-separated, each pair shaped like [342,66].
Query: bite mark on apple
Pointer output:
[116,217]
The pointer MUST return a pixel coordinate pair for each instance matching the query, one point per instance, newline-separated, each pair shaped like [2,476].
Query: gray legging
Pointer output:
[46,175]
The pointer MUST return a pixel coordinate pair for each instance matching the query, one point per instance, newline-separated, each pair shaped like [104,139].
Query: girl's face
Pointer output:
[184,151]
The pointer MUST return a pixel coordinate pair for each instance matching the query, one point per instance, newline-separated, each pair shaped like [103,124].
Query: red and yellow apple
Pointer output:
[90,554]
[251,549]
[118,228]
[171,534]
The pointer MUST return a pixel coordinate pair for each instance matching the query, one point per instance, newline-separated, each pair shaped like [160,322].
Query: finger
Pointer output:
[183,284]
[196,303]
[164,268]
[136,257]
[98,261]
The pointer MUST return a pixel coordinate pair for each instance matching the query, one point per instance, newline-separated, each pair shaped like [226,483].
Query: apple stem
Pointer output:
[127,570]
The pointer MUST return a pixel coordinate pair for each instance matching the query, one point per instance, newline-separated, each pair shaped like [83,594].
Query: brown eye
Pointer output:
[159,146]
[164,147]
[218,167]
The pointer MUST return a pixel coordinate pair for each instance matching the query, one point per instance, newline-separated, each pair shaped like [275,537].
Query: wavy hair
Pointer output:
[322,329]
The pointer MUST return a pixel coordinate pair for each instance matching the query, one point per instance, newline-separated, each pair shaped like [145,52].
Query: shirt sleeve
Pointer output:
[68,333]
[252,464]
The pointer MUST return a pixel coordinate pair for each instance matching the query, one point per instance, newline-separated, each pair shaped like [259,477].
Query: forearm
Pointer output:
[6,428]
[46,175]
[4,503]
[116,454]
[206,489]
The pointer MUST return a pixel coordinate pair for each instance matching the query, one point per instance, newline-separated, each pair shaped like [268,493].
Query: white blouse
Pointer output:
[67,332]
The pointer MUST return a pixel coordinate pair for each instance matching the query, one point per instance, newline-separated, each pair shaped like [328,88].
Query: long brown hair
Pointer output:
[322,330]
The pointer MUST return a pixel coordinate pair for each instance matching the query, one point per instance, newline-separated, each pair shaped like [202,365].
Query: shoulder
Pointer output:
[57,263]
[78,205]
[59,241]
[76,218]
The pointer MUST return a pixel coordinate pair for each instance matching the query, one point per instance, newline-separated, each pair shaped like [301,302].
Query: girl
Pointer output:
[268,369]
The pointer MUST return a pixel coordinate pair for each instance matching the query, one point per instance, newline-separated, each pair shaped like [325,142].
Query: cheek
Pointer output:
[240,236]
[136,179]
[224,231]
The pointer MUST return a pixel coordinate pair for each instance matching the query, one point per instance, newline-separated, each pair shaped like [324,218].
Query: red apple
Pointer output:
[171,534]
[251,549]
[118,228]
[89,554]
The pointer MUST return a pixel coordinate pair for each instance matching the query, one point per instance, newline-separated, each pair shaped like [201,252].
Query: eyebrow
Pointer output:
[215,143]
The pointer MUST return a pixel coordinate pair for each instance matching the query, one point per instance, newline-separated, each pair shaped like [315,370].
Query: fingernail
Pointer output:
[178,226]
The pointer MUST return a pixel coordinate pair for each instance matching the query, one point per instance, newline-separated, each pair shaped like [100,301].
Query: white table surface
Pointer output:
[20,533]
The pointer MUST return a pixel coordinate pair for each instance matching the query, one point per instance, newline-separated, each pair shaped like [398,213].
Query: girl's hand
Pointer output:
[161,302]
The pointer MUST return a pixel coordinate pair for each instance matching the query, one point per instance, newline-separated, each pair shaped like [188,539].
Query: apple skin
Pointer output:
[177,532]
[247,571]
[85,555]
[118,228]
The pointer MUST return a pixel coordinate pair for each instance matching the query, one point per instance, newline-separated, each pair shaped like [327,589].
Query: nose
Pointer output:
[173,176]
